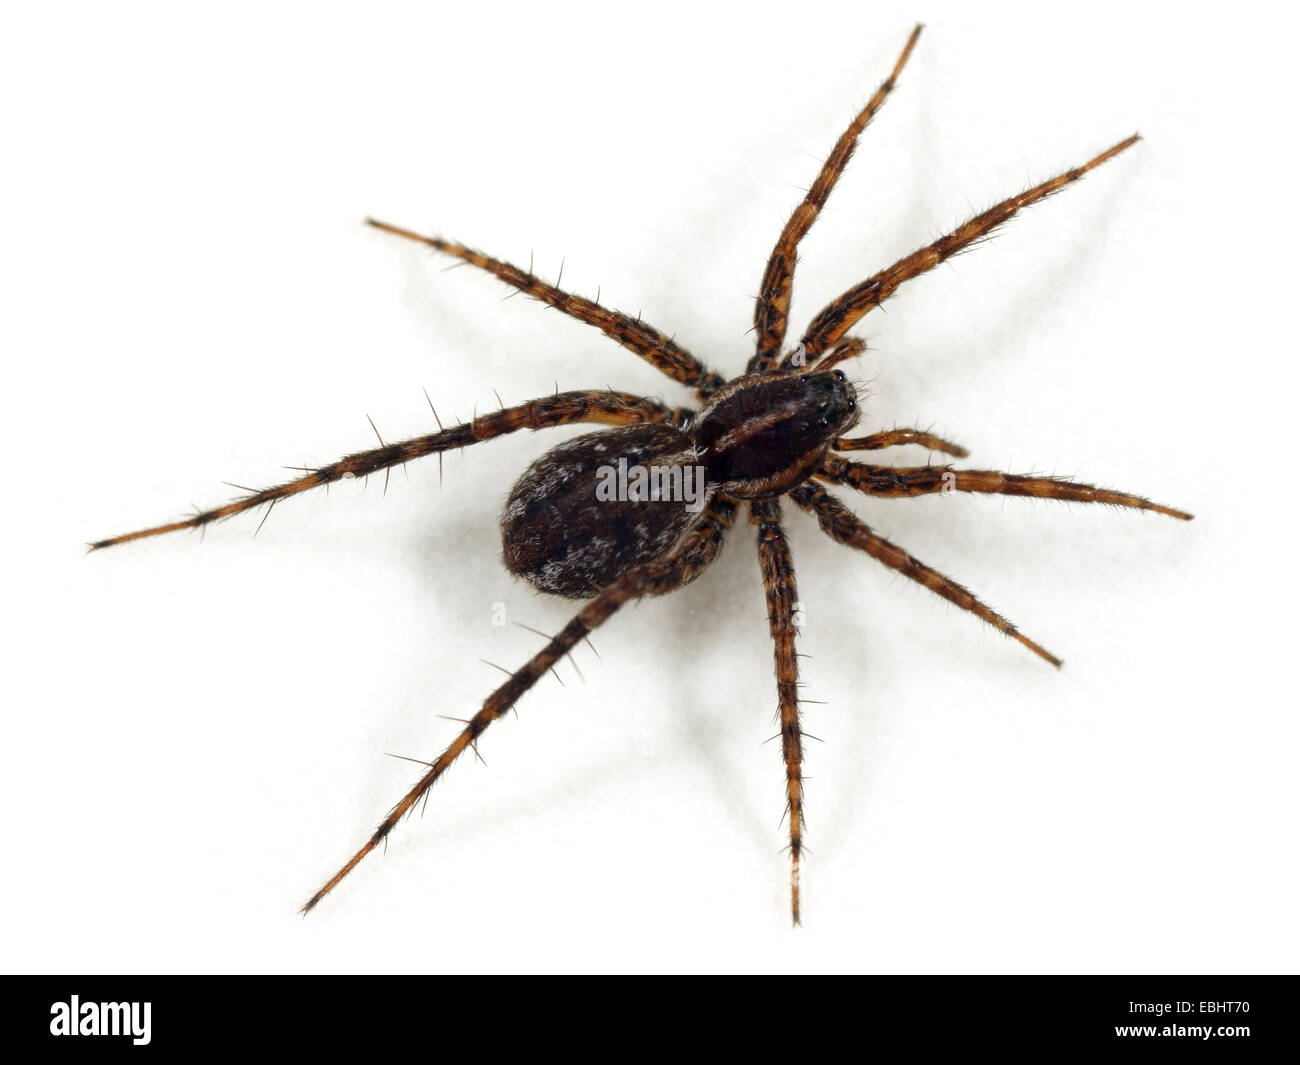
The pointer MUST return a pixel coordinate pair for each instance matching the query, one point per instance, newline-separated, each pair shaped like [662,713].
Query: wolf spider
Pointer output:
[777,430]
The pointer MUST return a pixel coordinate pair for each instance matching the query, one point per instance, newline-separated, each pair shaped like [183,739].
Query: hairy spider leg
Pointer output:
[772,308]
[843,526]
[698,548]
[898,437]
[848,348]
[782,596]
[563,408]
[661,351]
[894,482]
[842,313]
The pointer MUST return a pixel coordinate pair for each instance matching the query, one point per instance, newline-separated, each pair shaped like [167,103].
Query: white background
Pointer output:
[194,732]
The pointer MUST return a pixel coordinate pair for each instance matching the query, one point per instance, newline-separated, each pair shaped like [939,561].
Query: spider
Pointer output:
[777,431]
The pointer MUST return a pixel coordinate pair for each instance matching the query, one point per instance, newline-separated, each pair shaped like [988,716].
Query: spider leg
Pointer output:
[772,308]
[635,335]
[843,526]
[906,481]
[779,585]
[841,314]
[699,547]
[896,437]
[563,408]
[848,348]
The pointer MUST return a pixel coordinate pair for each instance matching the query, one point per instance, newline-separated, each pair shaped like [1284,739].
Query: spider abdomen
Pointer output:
[597,505]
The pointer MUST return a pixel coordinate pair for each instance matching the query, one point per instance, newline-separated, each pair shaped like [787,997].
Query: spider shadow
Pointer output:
[1023,309]
[1015,315]
[669,642]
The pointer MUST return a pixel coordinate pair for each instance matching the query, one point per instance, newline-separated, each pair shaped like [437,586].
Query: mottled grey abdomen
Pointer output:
[562,538]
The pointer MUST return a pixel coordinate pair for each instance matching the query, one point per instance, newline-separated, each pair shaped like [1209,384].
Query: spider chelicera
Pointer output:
[777,430]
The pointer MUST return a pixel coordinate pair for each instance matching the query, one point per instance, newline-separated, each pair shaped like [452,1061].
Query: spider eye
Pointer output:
[840,375]
[852,403]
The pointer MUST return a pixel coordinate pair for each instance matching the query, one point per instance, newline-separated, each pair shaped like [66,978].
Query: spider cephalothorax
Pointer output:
[641,509]
[765,433]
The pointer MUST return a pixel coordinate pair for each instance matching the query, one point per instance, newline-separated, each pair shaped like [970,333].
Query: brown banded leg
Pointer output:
[699,547]
[898,437]
[833,321]
[563,408]
[906,481]
[635,335]
[845,527]
[779,585]
[772,308]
